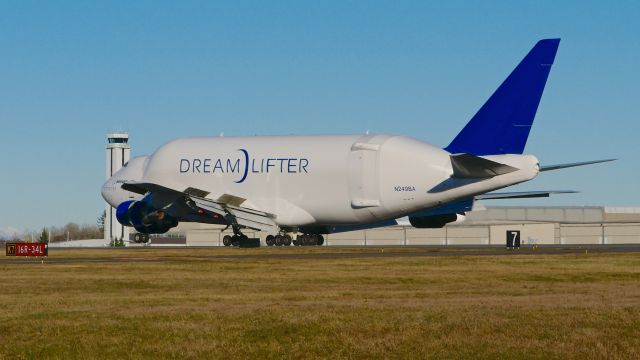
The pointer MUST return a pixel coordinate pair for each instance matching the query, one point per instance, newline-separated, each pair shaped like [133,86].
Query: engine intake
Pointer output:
[144,218]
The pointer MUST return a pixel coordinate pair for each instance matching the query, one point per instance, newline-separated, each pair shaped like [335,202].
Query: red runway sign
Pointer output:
[27,249]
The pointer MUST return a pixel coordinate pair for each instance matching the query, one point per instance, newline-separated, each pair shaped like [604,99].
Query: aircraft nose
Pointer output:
[108,192]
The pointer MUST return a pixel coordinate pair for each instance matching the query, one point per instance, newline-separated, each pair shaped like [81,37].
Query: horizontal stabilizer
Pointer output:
[468,166]
[569,165]
[521,195]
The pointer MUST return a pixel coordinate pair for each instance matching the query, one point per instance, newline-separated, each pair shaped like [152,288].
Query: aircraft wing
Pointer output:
[228,206]
[521,195]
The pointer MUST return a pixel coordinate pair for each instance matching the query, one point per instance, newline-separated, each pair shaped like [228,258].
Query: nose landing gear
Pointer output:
[139,238]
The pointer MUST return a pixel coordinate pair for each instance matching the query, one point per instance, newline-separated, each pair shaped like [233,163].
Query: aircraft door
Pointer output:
[364,177]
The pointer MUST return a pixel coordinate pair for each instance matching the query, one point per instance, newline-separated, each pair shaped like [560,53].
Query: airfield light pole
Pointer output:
[118,153]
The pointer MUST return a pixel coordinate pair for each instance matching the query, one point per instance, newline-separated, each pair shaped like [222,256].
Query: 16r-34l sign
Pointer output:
[27,249]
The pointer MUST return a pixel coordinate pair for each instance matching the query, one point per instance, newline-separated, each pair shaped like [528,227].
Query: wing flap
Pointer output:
[250,218]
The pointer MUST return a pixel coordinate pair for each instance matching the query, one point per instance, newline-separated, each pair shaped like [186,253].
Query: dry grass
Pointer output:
[541,306]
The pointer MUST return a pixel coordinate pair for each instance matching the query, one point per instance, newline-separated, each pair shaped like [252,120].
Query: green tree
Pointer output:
[117,242]
[44,236]
[100,221]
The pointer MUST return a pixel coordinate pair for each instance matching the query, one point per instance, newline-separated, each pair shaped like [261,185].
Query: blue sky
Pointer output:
[72,71]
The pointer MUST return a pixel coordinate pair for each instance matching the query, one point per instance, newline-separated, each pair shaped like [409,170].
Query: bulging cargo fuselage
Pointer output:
[315,180]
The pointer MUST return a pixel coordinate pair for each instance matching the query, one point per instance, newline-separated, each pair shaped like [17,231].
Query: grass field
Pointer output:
[579,306]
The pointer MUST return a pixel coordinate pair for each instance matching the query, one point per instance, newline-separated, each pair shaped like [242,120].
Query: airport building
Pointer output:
[118,153]
[483,226]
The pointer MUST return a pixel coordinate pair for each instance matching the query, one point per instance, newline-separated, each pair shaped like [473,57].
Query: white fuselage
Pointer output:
[315,180]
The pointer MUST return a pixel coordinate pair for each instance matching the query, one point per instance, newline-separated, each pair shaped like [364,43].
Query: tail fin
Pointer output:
[502,124]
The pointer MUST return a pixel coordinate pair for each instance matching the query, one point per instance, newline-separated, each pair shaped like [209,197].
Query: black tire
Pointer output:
[269,240]
[226,240]
[144,238]
[235,241]
[279,240]
[136,238]
[286,240]
[320,240]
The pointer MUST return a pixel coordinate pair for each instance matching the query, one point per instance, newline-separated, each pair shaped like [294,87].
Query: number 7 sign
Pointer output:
[513,238]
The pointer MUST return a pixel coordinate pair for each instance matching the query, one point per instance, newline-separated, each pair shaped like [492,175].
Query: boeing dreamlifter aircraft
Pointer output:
[314,185]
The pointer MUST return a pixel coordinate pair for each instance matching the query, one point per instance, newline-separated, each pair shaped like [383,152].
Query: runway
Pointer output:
[155,255]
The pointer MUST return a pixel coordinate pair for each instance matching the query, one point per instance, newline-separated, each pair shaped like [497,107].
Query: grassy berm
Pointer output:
[582,306]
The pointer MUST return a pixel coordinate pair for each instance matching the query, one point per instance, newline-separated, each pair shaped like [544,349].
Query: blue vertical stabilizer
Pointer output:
[502,124]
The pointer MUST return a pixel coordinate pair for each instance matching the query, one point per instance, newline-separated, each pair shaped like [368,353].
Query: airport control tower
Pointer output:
[118,153]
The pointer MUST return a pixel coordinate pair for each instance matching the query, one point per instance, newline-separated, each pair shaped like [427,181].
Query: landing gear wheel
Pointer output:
[309,240]
[226,240]
[238,236]
[286,240]
[144,238]
[270,240]
[279,240]
[136,238]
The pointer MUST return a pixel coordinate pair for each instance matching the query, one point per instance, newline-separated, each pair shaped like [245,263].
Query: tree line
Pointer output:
[70,231]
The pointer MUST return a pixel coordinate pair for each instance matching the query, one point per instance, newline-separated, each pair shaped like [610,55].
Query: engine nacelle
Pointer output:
[144,218]
[434,221]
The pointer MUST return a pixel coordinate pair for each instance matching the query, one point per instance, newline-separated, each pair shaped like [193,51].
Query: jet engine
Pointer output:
[434,221]
[144,218]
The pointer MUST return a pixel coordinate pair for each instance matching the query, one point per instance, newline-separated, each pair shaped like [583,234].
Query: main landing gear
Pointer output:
[309,240]
[278,240]
[234,240]
[300,240]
